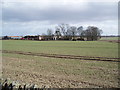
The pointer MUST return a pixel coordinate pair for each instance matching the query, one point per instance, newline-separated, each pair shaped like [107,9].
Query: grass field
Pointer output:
[90,48]
[109,38]
[61,72]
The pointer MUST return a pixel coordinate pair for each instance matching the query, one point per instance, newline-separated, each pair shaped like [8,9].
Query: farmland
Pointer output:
[42,70]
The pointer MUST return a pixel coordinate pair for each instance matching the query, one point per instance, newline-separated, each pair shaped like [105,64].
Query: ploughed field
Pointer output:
[61,63]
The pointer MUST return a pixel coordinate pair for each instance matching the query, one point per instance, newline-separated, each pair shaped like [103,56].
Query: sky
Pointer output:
[34,17]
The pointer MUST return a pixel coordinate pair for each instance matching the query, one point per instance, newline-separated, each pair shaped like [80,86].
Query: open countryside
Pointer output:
[51,64]
[52,44]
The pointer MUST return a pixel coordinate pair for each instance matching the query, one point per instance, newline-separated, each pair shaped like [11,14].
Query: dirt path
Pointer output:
[65,56]
[113,41]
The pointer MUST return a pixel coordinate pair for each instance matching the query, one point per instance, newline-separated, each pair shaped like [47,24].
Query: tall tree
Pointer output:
[73,30]
[49,32]
[80,30]
[57,32]
[63,28]
[92,33]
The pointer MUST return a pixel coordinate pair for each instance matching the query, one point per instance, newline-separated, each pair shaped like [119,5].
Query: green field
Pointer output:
[109,38]
[83,48]
[61,72]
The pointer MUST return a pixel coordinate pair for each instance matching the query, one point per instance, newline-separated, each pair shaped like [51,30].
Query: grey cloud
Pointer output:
[95,12]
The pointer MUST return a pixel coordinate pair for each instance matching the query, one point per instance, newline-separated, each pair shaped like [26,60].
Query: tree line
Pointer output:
[65,30]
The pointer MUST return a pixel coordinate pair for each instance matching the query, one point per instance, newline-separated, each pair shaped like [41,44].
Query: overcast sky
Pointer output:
[35,17]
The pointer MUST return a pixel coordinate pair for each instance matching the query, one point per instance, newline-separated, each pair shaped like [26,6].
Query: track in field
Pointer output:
[71,57]
[65,56]
[113,41]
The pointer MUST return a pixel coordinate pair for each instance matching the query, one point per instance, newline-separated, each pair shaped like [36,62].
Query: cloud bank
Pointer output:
[21,18]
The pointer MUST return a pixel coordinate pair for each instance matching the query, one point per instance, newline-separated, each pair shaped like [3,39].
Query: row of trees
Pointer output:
[67,31]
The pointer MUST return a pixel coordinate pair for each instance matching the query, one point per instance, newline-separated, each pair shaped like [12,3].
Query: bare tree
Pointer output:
[92,33]
[49,32]
[63,28]
[80,30]
[57,32]
[73,30]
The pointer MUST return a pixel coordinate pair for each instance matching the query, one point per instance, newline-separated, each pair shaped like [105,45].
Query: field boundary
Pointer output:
[64,56]
[113,41]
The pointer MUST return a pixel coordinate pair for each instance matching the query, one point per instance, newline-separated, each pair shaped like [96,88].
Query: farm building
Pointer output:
[31,37]
[6,37]
[53,37]
[11,37]
[15,37]
[44,37]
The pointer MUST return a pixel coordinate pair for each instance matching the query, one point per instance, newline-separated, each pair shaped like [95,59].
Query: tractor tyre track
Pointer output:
[65,56]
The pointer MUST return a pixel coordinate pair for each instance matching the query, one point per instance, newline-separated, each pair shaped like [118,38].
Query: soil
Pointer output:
[43,79]
[113,41]
[50,80]
[65,56]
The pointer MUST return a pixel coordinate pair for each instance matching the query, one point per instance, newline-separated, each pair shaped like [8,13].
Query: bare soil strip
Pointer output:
[47,79]
[113,41]
[52,80]
[65,56]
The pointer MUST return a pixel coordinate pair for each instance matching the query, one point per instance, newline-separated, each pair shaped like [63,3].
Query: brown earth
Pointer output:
[65,56]
[113,41]
[21,69]
[13,70]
